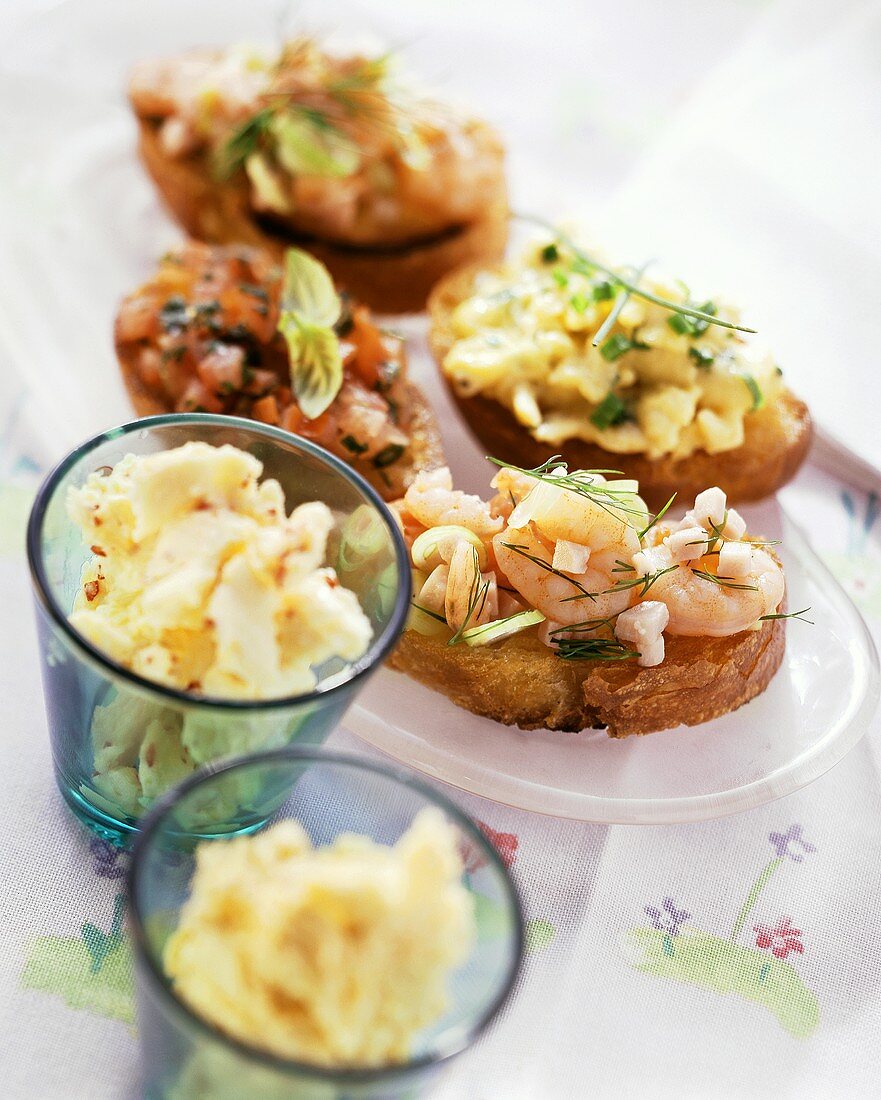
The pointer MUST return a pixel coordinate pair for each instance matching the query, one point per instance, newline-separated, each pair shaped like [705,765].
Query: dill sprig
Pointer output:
[620,302]
[593,649]
[724,582]
[477,595]
[427,611]
[524,552]
[789,615]
[555,472]
[621,280]
[657,516]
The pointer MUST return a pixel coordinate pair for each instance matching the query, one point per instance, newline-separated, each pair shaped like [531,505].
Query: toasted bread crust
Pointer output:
[777,437]
[425,451]
[521,683]
[394,280]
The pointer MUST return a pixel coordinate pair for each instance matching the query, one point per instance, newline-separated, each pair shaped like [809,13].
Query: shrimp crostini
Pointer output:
[389,188]
[563,603]
[222,329]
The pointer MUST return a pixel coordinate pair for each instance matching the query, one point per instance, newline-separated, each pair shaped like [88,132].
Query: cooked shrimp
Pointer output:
[597,522]
[433,501]
[526,559]
[698,606]
[471,596]
[512,486]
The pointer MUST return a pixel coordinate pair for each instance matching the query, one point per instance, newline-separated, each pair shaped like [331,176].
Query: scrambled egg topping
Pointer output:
[658,383]
[202,582]
[336,955]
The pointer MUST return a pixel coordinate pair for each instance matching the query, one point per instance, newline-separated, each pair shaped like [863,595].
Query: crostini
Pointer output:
[553,354]
[229,330]
[563,603]
[390,190]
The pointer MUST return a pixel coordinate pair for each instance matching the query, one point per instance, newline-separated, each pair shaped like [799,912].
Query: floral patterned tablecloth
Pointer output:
[737,957]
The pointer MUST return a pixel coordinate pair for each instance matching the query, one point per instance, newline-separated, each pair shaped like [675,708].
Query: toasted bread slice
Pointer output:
[522,683]
[392,280]
[424,453]
[777,437]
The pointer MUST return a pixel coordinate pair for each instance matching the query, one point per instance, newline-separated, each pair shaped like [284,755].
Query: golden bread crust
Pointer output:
[393,280]
[522,683]
[777,437]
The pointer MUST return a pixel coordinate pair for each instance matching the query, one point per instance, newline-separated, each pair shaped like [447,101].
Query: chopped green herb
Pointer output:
[603,291]
[610,411]
[174,315]
[560,277]
[617,345]
[227,387]
[425,611]
[615,312]
[579,302]
[754,389]
[388,455]
[352,444]
[550,254]
[702,356]
[174,354]
[687,325]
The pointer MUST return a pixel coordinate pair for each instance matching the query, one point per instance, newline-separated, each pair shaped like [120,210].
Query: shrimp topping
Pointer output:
[570,557]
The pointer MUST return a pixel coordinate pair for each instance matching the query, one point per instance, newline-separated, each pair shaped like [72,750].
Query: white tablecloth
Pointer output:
[740,142]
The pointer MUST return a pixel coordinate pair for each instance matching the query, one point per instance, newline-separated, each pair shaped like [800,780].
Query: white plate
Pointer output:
[81,226]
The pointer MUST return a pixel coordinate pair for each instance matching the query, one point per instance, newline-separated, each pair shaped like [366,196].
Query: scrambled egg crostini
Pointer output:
[657,383]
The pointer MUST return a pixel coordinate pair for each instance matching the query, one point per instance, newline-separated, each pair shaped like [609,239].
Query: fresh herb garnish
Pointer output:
[702,356]
[602,291]
[618,344]
[724,582]
[477,595]
[754,389]
[555,472]
[790,615]
[689,325]
[579,302]
[425,611]
[593,649]
[310,307]
[560,277]
[610,411]
[550,254]
[352,444]
[657,516]
[589,265]
[524,552]
[389,454]
[247,140]
[174,316]
[609,348]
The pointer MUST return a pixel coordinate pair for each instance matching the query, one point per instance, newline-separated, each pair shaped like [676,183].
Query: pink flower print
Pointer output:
[781,938]
[505,844]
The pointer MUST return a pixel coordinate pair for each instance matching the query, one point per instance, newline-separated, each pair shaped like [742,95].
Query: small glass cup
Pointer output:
[118,740]
[185,1055]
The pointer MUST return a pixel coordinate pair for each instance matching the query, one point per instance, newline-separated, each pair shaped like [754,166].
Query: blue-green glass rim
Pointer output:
[358,670]
[303,754]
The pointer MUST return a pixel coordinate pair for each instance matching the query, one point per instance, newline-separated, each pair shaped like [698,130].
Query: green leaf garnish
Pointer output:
[724,582]
[610,411]
[316,363]
[609,348]
[579,302]
[550,253]
[658,515]
[593,649]
[310,307]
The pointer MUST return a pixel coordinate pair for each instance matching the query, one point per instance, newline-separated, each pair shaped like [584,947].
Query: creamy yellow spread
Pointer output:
[337,955]
[525,338]
[202,582]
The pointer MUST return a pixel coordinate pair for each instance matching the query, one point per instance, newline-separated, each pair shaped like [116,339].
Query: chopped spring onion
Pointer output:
[502,628]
